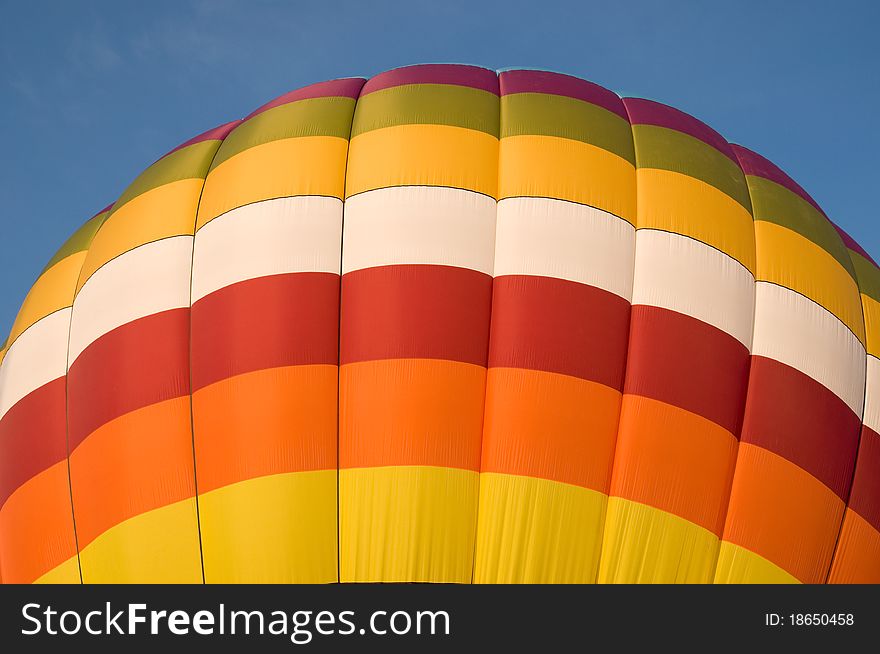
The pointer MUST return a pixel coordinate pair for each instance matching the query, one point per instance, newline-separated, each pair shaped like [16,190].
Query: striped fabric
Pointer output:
[560,316]
[448,325]
[687,361]
[417,249]
[128,382]
[805,394]
[265,315]
[857,558]
[38,541]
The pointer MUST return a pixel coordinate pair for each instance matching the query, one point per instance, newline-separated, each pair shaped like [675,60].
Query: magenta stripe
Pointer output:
[216,134]
[541,81]
[349,87]
[458,74]
[851,243]
[753,163]
[648,112]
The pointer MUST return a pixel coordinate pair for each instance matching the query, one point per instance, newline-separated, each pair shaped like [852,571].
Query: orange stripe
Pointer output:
[411,412]
[36,527]
[783,513]
[673,460]
[265,422]
[857,559]
[137,462]
[548,425]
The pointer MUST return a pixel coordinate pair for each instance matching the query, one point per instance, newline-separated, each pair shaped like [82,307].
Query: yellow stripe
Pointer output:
[790,260]
[308,165]
[161,212]
[52,291]
[274,529]
[63,573]
[407,524]
[644,545]
[737,565]
[157,547]
[684,205]
[552,167]
[423,155]
[871,309]
[537,531]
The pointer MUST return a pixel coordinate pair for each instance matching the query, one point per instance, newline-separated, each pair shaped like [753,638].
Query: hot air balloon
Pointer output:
[448,325]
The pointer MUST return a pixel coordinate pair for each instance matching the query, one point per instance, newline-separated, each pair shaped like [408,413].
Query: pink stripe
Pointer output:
[216,134]
[648,112]
[850,242]
[349,87]
[458,74]
[753,163]
[540,81]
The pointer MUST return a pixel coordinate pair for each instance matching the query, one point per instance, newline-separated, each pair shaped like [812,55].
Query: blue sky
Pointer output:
[93,92]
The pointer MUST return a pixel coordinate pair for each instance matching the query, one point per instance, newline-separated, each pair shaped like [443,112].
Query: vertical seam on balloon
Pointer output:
[192,422]
[67,437]
[488,340]
[714,566]
[339,338]
[339,360]
[601,544]
[2,359]
[67,397]
[861,431]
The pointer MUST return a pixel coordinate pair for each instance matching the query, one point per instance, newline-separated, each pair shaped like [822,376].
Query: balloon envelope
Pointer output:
[448,325]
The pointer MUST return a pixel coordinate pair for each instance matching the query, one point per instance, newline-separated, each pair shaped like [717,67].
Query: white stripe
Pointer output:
[419,225]
[872,395]
[554,238]
[798,332]
[684,275]
[38,356]
[284,235]
[143,281]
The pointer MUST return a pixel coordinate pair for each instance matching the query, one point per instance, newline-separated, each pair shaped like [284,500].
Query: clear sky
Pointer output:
[93,92]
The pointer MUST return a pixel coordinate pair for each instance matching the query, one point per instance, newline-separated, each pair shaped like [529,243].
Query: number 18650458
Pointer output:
[809,619]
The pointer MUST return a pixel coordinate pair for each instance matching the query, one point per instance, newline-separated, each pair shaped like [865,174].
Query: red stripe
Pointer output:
[544,81]
[349,87]
[853,245]
[216,134]
[687,363]
[267,322]
[796,417]
[33,436]
[457,74]
[864,498]
[140,363]
[649,112]
[754,164]
[556,325]
[415,311]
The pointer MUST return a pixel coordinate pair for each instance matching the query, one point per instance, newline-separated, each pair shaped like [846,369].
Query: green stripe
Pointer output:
[867,275]
[79,241]
[669,149]
[776,204]
[427,104]
[190,162]
[311,117]
[568,118]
